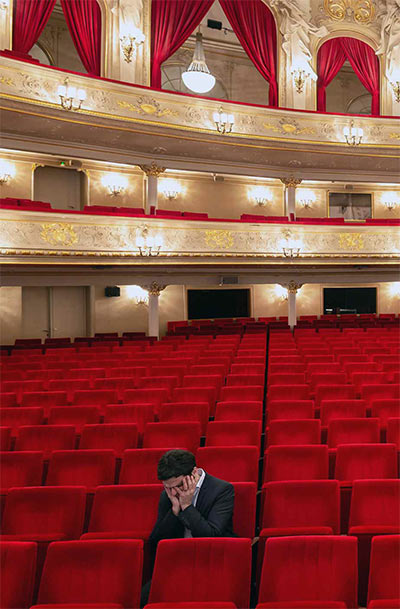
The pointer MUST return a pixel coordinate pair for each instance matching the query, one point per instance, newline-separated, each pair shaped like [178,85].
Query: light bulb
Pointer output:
[199,82]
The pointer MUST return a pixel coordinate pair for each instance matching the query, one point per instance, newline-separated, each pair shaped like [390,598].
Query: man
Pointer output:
[193,503]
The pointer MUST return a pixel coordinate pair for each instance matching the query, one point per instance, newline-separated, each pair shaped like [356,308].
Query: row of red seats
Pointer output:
[100,573]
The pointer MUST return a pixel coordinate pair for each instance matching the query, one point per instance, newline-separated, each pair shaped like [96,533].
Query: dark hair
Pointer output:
[175,463]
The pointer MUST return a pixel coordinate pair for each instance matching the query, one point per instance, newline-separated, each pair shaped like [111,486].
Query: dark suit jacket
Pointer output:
[212,516]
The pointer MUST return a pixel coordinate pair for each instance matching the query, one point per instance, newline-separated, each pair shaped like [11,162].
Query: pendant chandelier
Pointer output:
[198,77]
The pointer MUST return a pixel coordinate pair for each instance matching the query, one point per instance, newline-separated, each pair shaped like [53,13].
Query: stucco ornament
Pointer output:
[389,12]
[296,27]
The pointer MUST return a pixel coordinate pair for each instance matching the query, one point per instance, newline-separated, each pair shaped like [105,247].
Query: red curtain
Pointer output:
[83,18]
[365,64]
[172,22]
[331,57]
[254,25]
[363,60]
[29,20]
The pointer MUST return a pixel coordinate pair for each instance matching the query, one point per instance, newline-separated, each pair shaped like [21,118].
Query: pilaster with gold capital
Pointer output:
[290,194]
[152,172]
[154,289]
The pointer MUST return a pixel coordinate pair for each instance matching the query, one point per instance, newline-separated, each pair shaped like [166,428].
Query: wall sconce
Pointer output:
[130,40]
[291,247]
[7,171]
[148,246]
[261,195]
[391,200]
[69,95]
[170,189]
[300,76]
[306,197]
[281,293]
[353,135]
[4,5]
[396,90]
[223,121]
[138,294]
[115,183]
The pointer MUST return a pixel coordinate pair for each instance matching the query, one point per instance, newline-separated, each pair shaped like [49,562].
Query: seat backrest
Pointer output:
[393,431]
[362,461]
[186,411]
[308,462]
[139,466]
[302,503]
[140,414]
[233,433]
[115,436]
[99,571]
[244,513]
[193,560]
[375,502]
[172,435]
[23,468]
[46,438]
[384,569]
[87,468]
[341,409]
[334,392]
[17,573]
[384,409]
[295,431]
[231,463]
[353,431]
[17,417]
[310,568]
[288,392]
[61,511]
[240,411]
[290,409]
[237,394]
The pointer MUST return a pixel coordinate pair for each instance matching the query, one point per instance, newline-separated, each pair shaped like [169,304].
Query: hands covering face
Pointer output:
[181,496]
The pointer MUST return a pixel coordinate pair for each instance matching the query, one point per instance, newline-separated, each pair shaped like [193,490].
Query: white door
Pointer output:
[69,306]
[35,312]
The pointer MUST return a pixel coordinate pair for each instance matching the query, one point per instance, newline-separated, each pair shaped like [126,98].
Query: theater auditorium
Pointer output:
[200,247]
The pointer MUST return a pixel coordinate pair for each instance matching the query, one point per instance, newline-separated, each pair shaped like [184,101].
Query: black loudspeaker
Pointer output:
[111,291]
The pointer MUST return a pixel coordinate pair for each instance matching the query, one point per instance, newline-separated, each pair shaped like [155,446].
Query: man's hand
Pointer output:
[174,499]
[185,494]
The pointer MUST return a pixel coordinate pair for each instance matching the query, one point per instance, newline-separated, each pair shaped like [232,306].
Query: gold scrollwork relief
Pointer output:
[59,233]
[154,289]
[352,242]
[362,11]
[219,238]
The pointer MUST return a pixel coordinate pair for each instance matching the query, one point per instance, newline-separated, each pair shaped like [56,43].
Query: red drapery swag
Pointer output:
[254,25]
[83,18]
[363,60]
[172,22]
[29,19]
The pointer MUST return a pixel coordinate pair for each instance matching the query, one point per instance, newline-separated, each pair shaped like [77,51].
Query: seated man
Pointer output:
[193,503]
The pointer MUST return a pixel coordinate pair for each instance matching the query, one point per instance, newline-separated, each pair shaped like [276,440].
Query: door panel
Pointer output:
[35,312]
[69,311]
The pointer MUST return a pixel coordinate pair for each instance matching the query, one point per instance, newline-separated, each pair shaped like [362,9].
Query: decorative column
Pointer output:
[6,12]
[152,172]
[290,194]
[154,290]
[292,288]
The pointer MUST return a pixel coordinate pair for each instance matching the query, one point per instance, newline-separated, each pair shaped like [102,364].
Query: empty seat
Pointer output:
[92,397]
[240,380]
[372,393]
[44,399]
[288,392]
[114,436]
[309,462]
[239,394]
[140,414]
[361,461]
[290,409]
[182,411]
[139,466]
[172,435]
[385,409]
[384,587]
[46,438]
[231,463]
[88,468]
[287,379]
[124,511]
[78,416]
[156,397]
[308,571]
[334,392]
[238,411]
[393,431]
[8,400]
[61,511]
[17,573]
[244,513]
[20,469]
[98,573]
[17,417]
[193,560]
[233,433]
[341,409]
[353,431]
[296,431]
[5,437]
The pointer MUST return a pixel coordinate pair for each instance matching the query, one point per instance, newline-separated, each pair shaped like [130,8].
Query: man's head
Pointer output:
[174,465]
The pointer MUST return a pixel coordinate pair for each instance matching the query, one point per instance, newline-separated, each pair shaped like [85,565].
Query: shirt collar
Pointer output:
[201,479]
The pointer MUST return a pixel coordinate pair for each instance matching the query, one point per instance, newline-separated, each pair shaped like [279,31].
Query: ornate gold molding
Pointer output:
[154,289]
[219,238]
[291,181]
[59,233]
[362,11]
[152,170]
[293,286]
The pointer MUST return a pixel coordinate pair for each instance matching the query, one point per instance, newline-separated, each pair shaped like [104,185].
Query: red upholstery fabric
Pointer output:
[288,392]
[17,572]
[385,409]
[20,469]
[7,400]
[341,409]
[172,435]
[46,438]
[334,392]
[290,409]
[95,397]
[182,411]
[87,468]
[384,571]
[244,513]
[361,461]
[372,393]
[17,417]
[114,436]
[93,571]
[238,411]
[353,431]
[375,507]
[78,416]
[287,379]
[295,431]
[233,433]
[61,512]
[231,463]
[310,568]
[193,560]
[302,605]
[143,396]
[140,414]
[393,431]
[245,379]
[139,466]
[5,437]
[192,605]
[124,511]
[239,394]
[296,463]
[195,394]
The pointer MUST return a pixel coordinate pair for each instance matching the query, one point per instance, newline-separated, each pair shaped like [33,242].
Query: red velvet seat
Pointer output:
[239,394]
[286,379]
[139,466]
[184,411]
[104,574]
[384,409]
[88,468]
[372,393]
[114,436]
[362,461]
[46,438]
[296,431]
[61,512]
[196,394]
[117,384]
[44,399]
[17,573]
[193,560]
[8,400]
[124,511]
[384,587]
[288,392]
[290,409]
[238,411]
[68,386]
[353,431]
[244,513]
[140,414]
[241,380]
[172,435]
[233,433]
[341,409]
[248,369]
[393,431]
[17,417]
[309,571]
[92,397]
[334,392]
[308,462]
[78,416]
[5,438]
[20,469]
[231,463]
[156,397]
